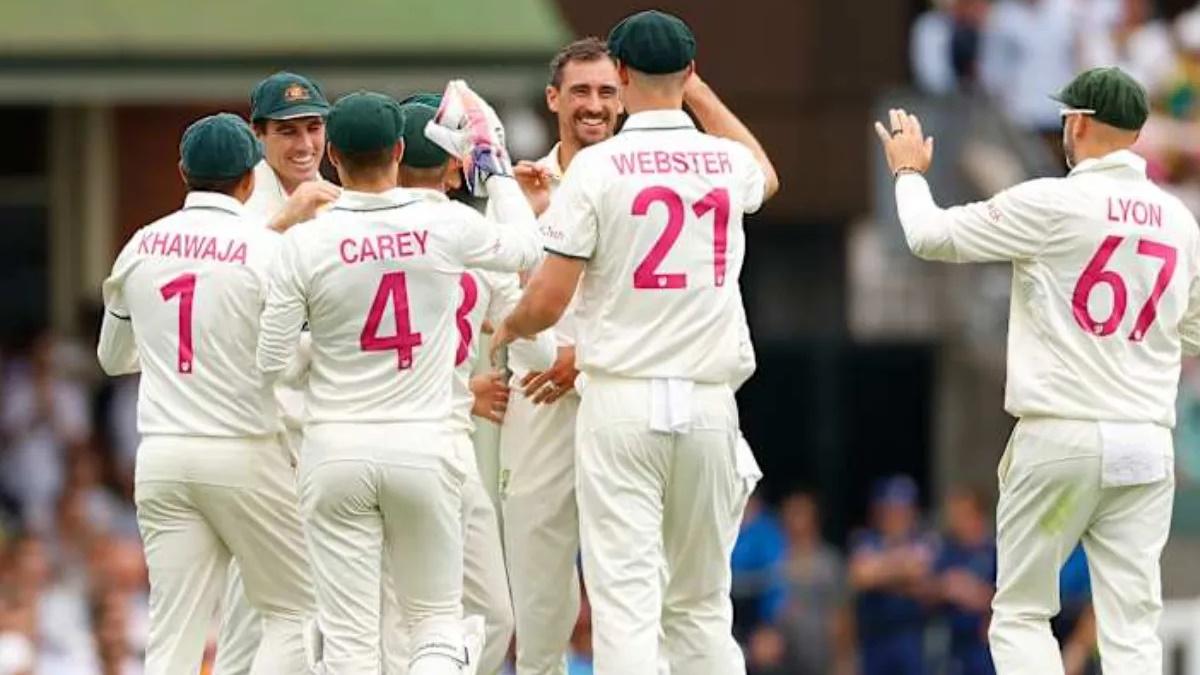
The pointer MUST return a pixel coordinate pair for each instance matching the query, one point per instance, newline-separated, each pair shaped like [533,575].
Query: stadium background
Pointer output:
[870,363]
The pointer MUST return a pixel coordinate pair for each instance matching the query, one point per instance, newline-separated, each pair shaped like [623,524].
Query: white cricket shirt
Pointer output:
[1104,290]
[190,287]
[484,296]
[377,279]
[656,211]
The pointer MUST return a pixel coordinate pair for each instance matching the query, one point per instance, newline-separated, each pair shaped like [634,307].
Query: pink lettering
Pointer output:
[1139,213]
[1134,211]
[143,242]
[1156,215]
[348,257]
[1112,217]
[191,246]
[710,163]
[176,247]
[386,245]
[367,250]
[210,251]
[159,246]
[420,236]
[680,162]
[643,161]
[239,253]
[662,161]
[624,164]
[726,165]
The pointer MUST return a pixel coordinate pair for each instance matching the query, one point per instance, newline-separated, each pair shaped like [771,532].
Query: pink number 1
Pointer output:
[184,286]
[717,200]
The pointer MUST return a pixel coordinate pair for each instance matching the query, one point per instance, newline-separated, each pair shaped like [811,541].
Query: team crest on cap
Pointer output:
[294,93]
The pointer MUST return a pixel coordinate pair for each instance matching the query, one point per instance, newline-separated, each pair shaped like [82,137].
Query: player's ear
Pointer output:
[552,98]
[182,173]
[453,177]
[623,73]
[398,151]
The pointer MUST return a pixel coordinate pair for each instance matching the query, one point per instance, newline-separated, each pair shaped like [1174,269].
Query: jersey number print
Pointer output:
[393,288]
[1095,274]
[717,200]
[470,296]
[183,286]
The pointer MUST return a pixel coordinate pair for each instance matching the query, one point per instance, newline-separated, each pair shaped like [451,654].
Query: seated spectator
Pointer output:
[891,574]
[966,581]
[758,589]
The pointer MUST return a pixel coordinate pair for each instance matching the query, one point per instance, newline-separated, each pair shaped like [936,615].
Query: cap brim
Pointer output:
[296,111]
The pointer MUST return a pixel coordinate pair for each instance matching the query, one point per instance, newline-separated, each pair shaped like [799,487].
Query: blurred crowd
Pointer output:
[1018,51]
[901,598]
[73,588]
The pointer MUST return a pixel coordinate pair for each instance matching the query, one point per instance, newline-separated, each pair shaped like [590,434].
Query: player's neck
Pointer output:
[646,101]
[568,147]
[377,185]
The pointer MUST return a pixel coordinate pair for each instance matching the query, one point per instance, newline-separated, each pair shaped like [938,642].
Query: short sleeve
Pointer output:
[751,179]
[570,226]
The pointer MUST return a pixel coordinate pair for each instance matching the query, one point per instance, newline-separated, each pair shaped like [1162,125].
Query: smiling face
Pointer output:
[293,148]
[586,101]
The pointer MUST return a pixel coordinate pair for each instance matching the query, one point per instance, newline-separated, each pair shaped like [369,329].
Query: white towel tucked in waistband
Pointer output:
[671,405]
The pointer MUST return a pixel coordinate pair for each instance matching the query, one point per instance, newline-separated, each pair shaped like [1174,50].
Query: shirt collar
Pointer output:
[1126,159]
[403,195]
[550,162]
[369,201]
[213,201]
[661,120]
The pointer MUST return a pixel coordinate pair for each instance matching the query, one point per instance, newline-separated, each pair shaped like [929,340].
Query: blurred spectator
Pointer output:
[758,589]
[768,653]
[891,566]
[815,619]
[966,580]
[43,416]
[1126,33]
[944,45]
[1028,52]
[1075,625]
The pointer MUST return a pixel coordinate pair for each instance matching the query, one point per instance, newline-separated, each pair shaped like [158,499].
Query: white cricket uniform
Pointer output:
[537,492]
[213,477]
[1105,296]
[656,212]
[241,626]
[482,296]
[376,278]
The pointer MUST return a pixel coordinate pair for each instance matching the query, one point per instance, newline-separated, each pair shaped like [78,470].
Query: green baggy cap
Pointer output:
[419,151]
[364,121]
[653,42]
[1117,99]
[285,96]
[219,147]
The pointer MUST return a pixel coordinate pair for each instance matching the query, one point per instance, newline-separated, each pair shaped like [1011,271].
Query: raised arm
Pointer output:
[718,120]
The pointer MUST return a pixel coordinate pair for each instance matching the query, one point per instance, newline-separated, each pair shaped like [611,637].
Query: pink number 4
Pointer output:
[393,288]
[646,274]
[470,295]
[1095,274]
[184,286]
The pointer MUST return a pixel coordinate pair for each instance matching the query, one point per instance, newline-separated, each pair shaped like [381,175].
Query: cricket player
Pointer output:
[537,438]
[287,113]
[654,216]
[213,477]
[1104,299]
[376,278]
[428,172]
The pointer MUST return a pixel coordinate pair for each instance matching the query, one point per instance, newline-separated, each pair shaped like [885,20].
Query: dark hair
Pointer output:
[355,163]
[225,186]
[588,49]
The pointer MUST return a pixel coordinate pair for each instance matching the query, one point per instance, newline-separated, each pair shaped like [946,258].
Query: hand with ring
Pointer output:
[905,146]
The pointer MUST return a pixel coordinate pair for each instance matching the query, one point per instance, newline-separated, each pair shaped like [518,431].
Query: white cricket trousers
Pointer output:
[541,528]
[485,581]
[370,491]
[201,502]
[651,503]
[1051,499]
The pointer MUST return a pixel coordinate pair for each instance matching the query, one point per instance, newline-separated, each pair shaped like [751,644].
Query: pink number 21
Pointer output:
[646,274]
